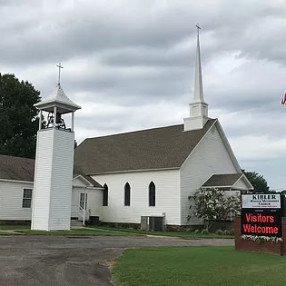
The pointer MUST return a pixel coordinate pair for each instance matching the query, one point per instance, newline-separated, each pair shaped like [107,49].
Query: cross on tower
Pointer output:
[60,67]
[198,29]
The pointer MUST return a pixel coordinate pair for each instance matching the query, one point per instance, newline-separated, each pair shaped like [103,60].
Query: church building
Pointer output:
[144,177]
[152,173]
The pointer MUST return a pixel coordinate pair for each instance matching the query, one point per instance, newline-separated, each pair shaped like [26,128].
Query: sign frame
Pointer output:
[261,215]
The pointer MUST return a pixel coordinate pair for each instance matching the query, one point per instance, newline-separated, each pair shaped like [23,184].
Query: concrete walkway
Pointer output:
[73,261]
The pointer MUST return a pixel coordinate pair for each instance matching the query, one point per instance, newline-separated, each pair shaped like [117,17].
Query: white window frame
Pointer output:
[27,198]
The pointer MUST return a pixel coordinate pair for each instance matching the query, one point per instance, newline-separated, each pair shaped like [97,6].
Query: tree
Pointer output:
[18,121]
[213,204]
[258,182]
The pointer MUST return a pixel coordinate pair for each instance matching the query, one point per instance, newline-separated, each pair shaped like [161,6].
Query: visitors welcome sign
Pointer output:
[261,215]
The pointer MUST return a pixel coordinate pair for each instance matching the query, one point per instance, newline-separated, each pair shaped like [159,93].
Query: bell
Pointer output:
[58,118]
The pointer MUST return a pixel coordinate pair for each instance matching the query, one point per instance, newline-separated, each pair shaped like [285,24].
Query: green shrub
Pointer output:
[220,231]
[229,232]
[205,231]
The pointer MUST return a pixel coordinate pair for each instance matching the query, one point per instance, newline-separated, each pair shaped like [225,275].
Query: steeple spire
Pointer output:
[198,108]
[198,91]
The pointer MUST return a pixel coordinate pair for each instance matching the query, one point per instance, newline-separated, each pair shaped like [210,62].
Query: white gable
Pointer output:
[243,184]
[80,181]
[211,156]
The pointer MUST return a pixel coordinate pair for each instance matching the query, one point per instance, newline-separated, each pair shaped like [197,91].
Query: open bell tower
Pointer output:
[51,209]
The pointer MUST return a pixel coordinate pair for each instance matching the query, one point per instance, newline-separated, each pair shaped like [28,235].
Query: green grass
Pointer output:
[78,232]
[13,227]
[186,235]
[25,230]
[104,231]
[198,266]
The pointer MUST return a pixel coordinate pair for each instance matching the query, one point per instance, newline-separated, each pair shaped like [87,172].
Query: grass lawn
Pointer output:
[13,227]
[198,266]
[79,232]
[182,234]
[25,230]
[99,230]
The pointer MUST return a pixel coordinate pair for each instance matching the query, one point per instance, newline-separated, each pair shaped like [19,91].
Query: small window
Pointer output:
[152,195]
[127,194]
[27,198]
[105,196]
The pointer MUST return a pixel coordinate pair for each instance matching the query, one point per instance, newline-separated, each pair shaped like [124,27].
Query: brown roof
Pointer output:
[22,169]
[165,147]
[222,180]
[16,168]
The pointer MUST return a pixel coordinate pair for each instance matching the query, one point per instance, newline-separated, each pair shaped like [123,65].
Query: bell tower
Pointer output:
[51,209]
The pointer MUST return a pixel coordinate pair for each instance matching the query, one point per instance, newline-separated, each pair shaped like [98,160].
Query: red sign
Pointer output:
[262,221]
[259,224]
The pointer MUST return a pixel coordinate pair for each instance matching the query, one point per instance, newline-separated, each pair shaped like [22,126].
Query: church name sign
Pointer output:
[261,215]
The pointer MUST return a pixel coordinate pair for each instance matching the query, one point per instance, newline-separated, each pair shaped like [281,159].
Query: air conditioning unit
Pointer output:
[153,223]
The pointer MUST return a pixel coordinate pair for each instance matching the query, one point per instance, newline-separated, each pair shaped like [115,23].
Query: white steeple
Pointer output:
[57,99]
[52,191]
[198,108]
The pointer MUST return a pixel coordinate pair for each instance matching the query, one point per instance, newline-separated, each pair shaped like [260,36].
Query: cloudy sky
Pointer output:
[130,65]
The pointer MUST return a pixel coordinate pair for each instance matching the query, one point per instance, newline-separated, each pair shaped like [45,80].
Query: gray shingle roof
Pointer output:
[22,169]
[222,180]
[16,168]
[165,147]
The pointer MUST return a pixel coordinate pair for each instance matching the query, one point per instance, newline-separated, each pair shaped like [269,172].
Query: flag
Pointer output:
[284,99]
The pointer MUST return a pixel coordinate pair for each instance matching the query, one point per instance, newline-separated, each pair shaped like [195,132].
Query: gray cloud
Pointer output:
[130,64]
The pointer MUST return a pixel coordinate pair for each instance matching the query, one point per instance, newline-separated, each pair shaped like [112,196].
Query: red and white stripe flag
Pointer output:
[284,99]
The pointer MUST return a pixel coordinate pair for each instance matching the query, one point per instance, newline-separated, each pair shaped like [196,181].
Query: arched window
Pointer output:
[127,194]
[152,194]
[105,196]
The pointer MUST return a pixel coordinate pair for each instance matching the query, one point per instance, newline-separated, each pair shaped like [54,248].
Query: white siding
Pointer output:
[79,182]
[79,186]
[53,180]
[208,158]
[94,200]
[75,201]
[11,198]
[42,181]
[61,189]
[241,185]
[167,196]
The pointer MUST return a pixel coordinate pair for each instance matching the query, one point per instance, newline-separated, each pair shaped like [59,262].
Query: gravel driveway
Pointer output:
[73,261]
